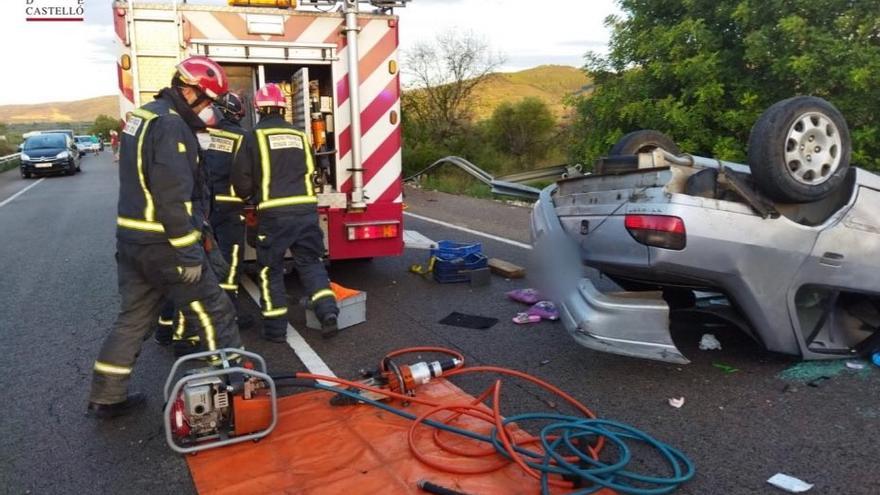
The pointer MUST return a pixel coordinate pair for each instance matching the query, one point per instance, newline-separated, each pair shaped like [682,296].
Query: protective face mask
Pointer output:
[208,116]
[204,139]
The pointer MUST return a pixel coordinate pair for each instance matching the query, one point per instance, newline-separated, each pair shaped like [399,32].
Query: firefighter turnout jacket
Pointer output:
[225,143]
[274,169]
[156,181]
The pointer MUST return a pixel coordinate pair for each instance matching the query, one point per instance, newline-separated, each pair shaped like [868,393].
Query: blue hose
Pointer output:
[567,429]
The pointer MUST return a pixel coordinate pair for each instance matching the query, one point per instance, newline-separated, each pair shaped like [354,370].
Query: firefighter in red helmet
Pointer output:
[274,171]
[158,248]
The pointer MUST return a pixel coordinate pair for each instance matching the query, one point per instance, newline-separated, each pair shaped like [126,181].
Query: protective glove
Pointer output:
[191,274]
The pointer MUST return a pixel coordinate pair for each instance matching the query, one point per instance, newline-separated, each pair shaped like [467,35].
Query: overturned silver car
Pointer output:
[791,243]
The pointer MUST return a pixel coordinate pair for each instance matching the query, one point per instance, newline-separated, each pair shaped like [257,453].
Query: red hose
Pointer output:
[475,409]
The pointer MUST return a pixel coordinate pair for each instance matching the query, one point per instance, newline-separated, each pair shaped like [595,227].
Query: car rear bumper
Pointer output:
[627,323]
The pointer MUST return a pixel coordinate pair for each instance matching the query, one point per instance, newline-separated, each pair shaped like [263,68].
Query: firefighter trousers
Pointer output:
[301,234]
[147,273]
[173,325]
[228,225]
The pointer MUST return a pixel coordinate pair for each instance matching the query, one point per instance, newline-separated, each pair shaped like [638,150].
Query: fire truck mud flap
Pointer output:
[632,324]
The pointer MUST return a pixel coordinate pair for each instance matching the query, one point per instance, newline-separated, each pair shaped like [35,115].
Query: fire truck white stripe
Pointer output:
[367,39]
[209,25]
[319,30]
[301,348]
[374,138]
[383,180]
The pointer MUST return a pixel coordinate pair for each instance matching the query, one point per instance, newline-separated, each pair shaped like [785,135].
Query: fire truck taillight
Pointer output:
[281,4]
[373,231]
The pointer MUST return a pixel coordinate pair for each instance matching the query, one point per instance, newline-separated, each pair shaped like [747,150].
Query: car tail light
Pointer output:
[657,230]
[373,231]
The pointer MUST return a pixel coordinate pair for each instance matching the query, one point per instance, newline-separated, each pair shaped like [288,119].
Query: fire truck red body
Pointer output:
[332,66]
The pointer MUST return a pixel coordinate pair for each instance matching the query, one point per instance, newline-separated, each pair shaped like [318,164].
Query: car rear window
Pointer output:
[44,141]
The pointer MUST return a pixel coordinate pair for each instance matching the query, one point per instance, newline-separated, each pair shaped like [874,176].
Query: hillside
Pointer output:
[61,111]
[550,83]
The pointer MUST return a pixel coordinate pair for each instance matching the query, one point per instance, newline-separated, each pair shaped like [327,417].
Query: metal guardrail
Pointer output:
[508,185]
[4,159]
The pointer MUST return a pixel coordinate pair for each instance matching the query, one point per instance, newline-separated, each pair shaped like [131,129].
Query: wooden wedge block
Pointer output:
[506,268]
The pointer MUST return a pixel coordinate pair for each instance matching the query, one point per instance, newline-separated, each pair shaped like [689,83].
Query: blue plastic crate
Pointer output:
[450,250]
[458,270]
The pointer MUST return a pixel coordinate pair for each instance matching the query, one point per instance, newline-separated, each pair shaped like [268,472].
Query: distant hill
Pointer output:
[550,83]
[61,111]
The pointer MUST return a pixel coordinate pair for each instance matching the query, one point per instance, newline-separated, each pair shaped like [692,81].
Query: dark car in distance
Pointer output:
[49,153]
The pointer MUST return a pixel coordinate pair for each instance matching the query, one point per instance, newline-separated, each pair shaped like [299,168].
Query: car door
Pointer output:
[842,269]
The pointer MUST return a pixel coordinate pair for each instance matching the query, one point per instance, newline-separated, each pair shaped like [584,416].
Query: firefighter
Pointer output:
[158,248]
[226,212]
[274,171]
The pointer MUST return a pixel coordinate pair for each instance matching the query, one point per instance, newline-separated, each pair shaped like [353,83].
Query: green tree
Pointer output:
[523,129]
[103,125]
[703,71]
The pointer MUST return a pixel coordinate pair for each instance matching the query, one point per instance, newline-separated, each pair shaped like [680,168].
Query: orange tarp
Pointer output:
[317,448]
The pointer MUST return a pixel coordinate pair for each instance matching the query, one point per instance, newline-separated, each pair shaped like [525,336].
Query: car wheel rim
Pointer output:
[812,149]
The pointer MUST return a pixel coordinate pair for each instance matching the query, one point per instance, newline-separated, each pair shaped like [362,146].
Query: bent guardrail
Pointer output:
[508,185]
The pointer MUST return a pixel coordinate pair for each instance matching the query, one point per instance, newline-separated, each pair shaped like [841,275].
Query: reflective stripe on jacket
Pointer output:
[274,168]
[158,163]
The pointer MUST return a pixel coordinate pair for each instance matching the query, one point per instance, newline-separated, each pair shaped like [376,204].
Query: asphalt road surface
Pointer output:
[59,300]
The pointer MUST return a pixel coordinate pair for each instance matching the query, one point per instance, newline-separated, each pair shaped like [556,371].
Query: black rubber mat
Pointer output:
[456,319]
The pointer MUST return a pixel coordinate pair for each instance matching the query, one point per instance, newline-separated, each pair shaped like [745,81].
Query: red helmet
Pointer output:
[205,74]
[270,95]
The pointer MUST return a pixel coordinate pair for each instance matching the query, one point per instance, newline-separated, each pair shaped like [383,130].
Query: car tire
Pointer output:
[25,175]
[643,141]
[786,141]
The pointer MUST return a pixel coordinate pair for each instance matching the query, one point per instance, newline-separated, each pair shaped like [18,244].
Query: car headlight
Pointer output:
[24,157]
[63,154]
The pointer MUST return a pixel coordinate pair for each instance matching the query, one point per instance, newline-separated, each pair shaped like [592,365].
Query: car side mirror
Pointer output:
[20,147]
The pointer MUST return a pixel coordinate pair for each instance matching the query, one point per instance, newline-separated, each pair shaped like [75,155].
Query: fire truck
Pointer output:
[337,63]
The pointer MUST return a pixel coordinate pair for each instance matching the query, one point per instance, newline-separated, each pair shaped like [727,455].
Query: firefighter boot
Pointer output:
[329,326]
[109,411]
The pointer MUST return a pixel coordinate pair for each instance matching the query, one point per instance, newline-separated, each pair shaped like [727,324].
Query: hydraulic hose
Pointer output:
[559,449]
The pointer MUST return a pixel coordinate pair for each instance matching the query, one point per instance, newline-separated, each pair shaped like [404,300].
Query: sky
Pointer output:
[61,61]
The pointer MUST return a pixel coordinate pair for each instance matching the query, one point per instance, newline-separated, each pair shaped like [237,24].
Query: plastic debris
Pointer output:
[725,367]
[545,361]
[789,483]
[876,358]
[855,365]
[523,318]
[709,343]
[545,310]
[526,296]
[676,402]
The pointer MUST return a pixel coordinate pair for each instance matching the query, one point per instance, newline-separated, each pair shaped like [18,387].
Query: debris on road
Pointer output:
[789,483]
[544,310]
[456,319]
[676,402]
[725,367]
[544,361]
[808,371]
[524,318]
[855,365]
[709,343]
[506,268]
[525,296]
[815,382]
[876,358]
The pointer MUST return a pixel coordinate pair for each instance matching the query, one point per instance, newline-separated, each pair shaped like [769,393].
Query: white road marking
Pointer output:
[301,348]
[19,193]
[505,240]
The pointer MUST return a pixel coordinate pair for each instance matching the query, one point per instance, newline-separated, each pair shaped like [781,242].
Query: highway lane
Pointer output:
[59,299]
